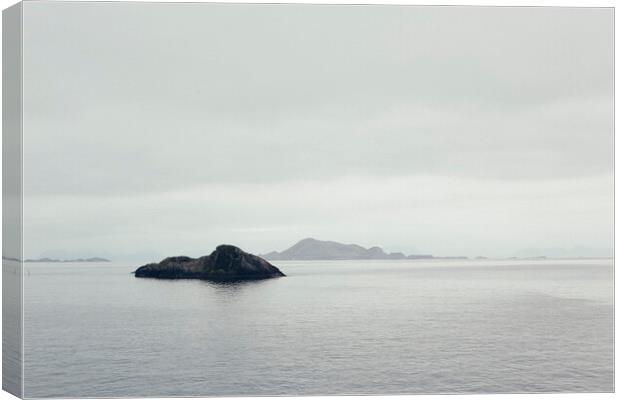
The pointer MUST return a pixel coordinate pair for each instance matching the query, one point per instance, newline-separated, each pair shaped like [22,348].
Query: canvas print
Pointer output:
[206,199]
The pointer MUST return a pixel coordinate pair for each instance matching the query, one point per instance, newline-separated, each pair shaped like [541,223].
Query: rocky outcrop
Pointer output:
[225,264]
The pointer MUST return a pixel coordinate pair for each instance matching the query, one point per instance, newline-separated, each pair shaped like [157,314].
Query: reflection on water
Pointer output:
[347,327]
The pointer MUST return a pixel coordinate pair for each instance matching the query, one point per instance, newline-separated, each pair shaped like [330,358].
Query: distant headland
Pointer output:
[225,264]
[313,249]
[53,260]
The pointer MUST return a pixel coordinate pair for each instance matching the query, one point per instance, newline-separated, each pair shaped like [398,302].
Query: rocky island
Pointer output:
[313,249]
[225,264]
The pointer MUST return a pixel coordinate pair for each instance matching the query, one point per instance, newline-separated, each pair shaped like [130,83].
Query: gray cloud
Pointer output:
[130,107]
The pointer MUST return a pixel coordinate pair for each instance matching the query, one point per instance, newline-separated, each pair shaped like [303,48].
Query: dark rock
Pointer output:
[226,264]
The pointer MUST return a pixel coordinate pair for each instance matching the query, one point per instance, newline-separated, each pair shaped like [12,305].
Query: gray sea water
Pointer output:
[341,327]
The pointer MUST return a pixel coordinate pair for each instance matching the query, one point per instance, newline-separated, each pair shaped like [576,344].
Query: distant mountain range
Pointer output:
[313,249]
[92,259]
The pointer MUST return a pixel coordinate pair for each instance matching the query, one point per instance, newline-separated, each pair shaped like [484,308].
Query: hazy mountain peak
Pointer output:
[314,249]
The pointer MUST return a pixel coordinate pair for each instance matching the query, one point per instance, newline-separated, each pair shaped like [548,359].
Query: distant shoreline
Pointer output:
[473,259]
[53,260]
[325,250]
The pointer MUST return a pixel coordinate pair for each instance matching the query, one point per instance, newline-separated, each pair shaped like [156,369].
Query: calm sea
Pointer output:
[341,327]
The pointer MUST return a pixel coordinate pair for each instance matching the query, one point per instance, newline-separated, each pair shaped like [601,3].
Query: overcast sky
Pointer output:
[155,129]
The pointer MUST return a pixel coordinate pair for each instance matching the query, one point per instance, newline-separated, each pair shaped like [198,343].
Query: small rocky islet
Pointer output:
[226,263]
